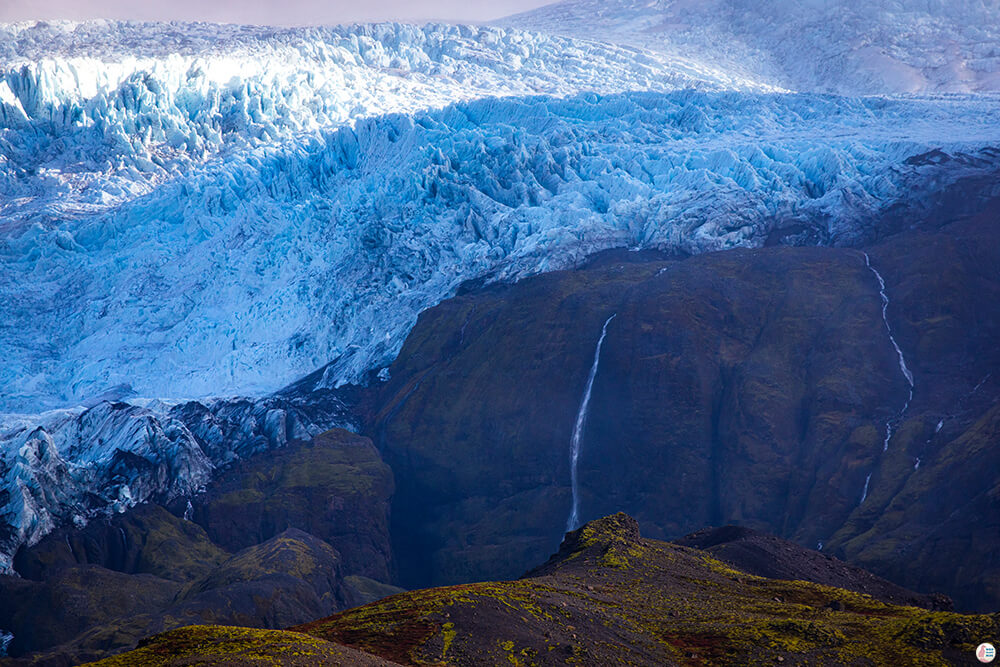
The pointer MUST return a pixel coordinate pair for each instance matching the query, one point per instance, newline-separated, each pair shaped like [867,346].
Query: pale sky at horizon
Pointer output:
[266,12]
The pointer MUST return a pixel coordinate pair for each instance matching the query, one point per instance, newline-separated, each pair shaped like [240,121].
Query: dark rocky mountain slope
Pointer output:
[746,386]
[768,556]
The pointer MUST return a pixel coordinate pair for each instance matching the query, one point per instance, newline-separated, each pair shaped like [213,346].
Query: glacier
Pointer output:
[91,143]
[194,216]
[249,271]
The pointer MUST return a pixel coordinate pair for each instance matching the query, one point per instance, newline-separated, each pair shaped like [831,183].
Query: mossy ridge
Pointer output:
[776,620]
[669,605]
[222,645]
[647,593]
[364,589]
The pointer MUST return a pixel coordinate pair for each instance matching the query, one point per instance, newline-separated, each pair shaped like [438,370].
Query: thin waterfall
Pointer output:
[864,494]
[581,417]
[899,353]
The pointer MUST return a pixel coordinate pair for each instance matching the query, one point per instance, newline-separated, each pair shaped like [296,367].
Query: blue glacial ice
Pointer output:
[251,269]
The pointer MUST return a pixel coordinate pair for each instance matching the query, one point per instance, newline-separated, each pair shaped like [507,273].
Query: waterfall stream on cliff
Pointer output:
[899,353]
[902,366]
[581,417]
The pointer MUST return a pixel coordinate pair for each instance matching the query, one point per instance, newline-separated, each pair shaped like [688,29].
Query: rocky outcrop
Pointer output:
[65,468]
[745,386]
[272,584]
[74,601]
[145,540]
[84,612]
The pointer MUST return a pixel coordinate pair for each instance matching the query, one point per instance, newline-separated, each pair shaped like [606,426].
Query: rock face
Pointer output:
[932,519]
[68,467]
[263,550]
[146,540]
[336,487]
[746,386]
[74,601]
[269,585]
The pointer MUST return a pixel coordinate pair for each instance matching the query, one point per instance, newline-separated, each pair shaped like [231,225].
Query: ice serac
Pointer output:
[242,274]
[573,522]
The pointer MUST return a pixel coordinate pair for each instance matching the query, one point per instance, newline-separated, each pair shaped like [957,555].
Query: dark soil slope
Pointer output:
[611,597]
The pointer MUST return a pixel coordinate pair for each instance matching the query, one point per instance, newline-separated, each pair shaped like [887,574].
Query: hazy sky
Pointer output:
[277,12]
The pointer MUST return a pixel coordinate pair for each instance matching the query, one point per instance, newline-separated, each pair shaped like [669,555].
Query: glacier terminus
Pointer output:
[193,217]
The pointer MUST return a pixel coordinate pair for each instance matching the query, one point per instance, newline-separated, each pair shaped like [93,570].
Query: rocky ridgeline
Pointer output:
[68,467]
